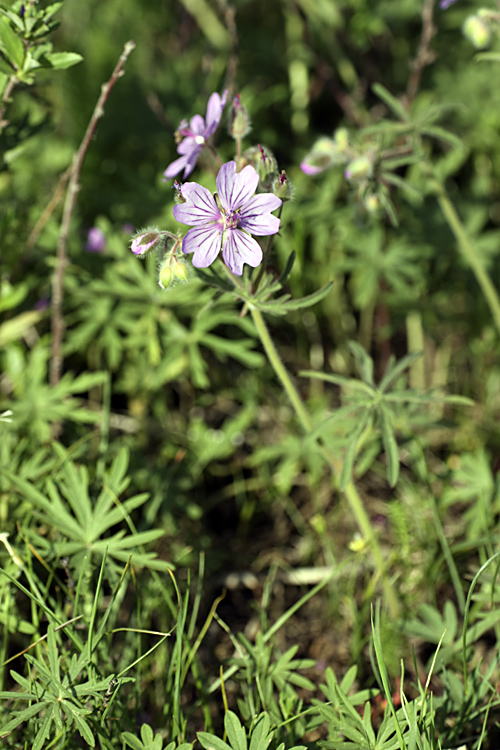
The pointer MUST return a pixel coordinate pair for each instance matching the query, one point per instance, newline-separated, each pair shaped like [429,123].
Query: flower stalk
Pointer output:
[351,493]
[468,251]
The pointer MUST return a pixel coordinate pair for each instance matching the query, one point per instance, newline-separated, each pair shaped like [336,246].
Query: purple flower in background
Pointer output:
[446,4]
[96,241]
[195,135]
[227,219]
[128,228]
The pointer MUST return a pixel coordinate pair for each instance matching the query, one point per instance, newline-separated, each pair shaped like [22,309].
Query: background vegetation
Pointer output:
[185,557]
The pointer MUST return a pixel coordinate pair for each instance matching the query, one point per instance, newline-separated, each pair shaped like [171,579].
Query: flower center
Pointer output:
[228,219]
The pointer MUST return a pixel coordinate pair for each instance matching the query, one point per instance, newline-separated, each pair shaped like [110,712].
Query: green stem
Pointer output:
[468,252]
[350,491]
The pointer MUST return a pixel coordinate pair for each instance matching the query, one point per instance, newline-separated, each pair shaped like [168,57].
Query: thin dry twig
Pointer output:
[57,321]
[424,55]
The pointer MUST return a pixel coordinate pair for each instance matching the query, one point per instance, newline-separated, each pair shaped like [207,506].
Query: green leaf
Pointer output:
[390,445]
[63,60]
[132,741]
[261,737]
[24,715]
[83,728]
[363,361]
[311,299]
[15,328]
[284,304]
[393,103]
[10,44]
[351,451]
[44,731]
[235,732]
[211,742]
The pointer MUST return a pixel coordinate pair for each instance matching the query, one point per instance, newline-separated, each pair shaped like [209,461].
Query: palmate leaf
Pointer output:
[365,400]
[67,507]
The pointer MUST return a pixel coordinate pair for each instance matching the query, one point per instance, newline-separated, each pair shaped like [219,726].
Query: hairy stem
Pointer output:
[468,251]
[351,493]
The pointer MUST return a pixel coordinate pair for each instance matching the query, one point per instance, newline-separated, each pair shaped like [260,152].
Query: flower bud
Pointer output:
[144,242]
[264,163]
[239,121]
[359,169]
[326,152]
[180,269]
[172,270]
[282,187]
[165,275]
[341,137]
[372,204]
[477,31]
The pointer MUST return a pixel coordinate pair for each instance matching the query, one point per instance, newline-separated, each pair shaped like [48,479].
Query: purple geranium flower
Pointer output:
[227,219]
[195,135]
[446,4]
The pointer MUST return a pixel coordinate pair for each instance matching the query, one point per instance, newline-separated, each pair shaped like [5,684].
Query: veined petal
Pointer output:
[200,207]
[256,217]
[261,204]
[205,243]
[261,225]
[234,190]
[240,248]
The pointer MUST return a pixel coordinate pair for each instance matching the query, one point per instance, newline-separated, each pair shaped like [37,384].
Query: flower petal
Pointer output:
[255,215]
[200,207]
[188,145]
[261,225]
[215,108]
[205,243]
[175,167]
[234,190]
[240,248]
[197,125]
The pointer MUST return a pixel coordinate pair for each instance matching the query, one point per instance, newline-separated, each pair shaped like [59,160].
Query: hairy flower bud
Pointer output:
[477,31]
[165,275]
[239,124]
[326,152]
[372,204]
[172,270]
[359,169]
[146,241]
[262,160]
[341,138]
[282,187]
